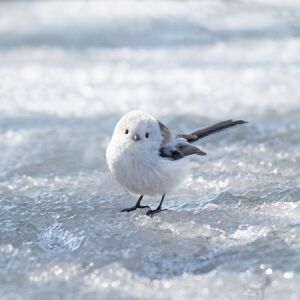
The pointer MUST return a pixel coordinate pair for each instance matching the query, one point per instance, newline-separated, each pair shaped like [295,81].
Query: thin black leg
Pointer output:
[137,205]
[158,209]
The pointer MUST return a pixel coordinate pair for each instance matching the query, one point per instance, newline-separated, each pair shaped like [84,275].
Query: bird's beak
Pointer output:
[136,137]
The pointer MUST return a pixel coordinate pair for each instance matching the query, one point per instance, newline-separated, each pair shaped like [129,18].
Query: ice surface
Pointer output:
[70,69]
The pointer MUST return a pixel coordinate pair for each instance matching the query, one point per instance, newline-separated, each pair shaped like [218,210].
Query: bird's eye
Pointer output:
[126,131]
[147,134]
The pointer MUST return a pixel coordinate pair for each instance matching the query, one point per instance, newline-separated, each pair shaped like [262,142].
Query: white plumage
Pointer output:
[137,165]
[146,157]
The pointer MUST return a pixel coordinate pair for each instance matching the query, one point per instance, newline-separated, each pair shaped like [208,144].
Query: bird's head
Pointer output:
[138,130]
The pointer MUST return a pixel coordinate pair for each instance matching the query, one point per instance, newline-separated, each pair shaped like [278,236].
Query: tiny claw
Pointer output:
[151,213]
[134,208]
[128,209]
[143,206]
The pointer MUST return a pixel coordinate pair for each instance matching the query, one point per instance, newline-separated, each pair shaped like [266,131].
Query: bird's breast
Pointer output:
[142,172]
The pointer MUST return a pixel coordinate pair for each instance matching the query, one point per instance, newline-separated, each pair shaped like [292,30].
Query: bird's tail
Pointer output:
[202,133]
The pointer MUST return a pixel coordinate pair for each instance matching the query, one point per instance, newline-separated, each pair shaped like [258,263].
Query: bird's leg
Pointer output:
[137,205]
[158,209]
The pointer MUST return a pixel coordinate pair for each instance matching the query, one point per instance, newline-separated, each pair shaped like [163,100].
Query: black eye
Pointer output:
[147,134]
[126,131]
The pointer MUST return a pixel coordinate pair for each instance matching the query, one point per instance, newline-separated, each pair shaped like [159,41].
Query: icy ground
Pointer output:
[69,70]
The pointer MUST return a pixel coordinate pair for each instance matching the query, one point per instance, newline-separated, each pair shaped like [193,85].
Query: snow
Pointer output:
[70,69]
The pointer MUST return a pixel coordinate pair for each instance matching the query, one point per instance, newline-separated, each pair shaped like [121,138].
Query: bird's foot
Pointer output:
[134,208]
[152,212]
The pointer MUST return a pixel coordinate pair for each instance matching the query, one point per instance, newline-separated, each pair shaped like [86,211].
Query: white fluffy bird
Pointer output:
[146,157]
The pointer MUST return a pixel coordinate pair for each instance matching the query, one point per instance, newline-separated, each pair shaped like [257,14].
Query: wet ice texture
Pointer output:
[69,70]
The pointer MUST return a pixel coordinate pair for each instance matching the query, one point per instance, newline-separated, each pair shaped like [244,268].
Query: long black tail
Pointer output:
[202,133]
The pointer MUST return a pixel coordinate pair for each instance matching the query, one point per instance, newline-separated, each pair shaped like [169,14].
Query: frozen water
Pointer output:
[70,69]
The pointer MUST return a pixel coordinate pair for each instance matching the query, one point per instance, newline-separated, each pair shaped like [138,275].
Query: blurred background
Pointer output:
[70,69]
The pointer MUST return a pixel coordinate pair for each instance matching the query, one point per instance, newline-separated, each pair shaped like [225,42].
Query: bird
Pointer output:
[147,158]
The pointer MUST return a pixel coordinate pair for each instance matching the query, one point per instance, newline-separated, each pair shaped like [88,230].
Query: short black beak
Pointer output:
[136,137]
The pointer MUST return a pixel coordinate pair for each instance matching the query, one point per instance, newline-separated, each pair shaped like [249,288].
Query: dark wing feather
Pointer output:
[173,155]
[181,150]
[165,132]
[200,134]
[189,149]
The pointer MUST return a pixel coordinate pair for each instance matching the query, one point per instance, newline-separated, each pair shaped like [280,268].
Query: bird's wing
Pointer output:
[202,133]
[166,133]
[176,147]
[179,150]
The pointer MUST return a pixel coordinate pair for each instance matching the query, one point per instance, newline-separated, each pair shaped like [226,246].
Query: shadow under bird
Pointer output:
[146,157]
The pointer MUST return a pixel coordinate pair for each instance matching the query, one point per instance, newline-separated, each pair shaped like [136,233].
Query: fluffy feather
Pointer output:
[146,157]
[137,165]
